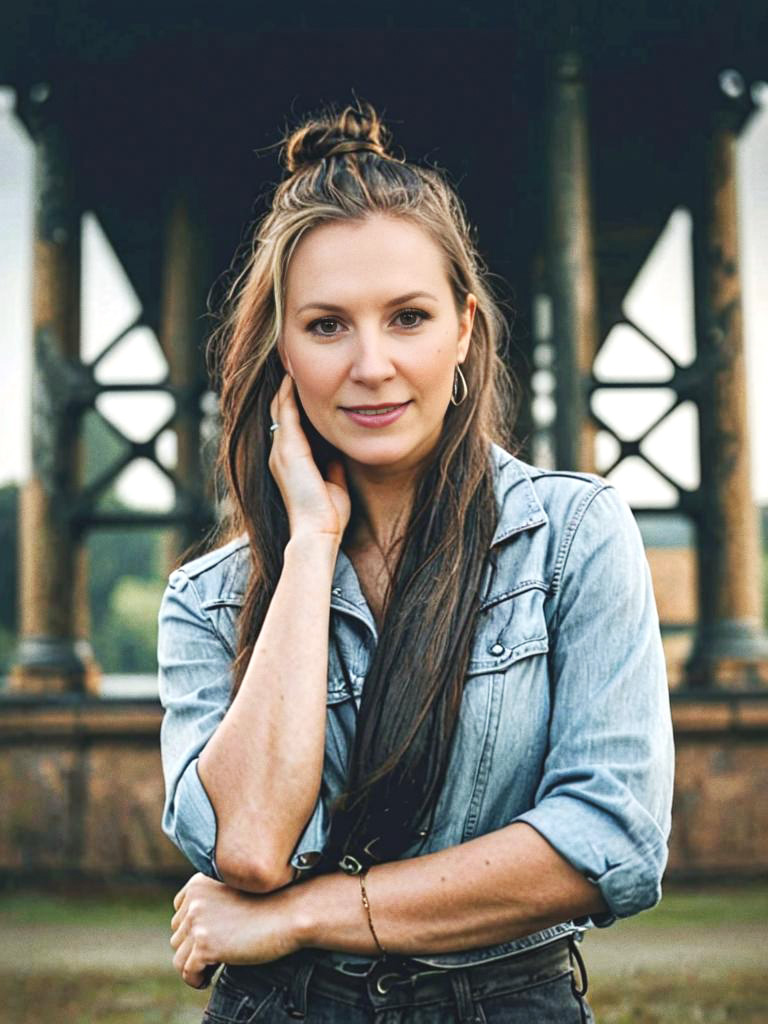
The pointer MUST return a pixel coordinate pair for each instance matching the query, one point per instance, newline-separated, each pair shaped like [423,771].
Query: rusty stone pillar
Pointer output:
[570,270]
[182,331]
[731,649]
[52,655]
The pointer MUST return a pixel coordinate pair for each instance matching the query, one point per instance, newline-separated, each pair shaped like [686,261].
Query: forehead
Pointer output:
[344,259]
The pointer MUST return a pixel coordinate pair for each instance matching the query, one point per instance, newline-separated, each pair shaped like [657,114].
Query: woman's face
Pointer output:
[372,337]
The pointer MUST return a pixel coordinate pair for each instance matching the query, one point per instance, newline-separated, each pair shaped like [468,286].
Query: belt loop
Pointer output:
[581,989]
[462,991]
[296,995]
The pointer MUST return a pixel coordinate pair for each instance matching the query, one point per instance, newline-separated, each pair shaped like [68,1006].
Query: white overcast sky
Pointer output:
[660,301]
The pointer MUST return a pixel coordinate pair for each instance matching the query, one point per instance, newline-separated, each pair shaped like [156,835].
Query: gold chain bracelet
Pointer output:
[367,906]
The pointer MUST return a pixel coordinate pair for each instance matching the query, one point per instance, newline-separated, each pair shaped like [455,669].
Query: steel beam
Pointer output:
[570,270]
[52,654]
[731,648]
[182,331]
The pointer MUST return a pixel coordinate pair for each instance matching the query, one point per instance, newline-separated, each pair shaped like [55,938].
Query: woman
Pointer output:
[417,734]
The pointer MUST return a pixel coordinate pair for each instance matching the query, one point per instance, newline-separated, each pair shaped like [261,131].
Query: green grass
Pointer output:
[698,907]
[150,908]
[98,999]
[741,998]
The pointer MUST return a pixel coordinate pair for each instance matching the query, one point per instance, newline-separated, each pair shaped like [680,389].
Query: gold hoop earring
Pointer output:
[455,391]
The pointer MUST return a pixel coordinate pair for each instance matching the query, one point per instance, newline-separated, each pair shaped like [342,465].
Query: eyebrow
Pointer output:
[393,302]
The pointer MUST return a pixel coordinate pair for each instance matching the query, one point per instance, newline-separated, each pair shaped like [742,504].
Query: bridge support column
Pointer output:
[570,270]
[182,331]
[731,649]
[53,655]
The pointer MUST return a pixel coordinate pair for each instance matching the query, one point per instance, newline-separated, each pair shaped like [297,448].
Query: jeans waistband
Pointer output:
[394,979]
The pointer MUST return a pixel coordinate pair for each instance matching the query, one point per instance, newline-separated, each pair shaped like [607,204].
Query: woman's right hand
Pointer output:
[314,505]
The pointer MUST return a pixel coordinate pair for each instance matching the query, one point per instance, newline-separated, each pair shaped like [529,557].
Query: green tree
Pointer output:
[116,557]
[127,639]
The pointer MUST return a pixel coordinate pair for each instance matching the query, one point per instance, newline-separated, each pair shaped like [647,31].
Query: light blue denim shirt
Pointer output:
[565,720]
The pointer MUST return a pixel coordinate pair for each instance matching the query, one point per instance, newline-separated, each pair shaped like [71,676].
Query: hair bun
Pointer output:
[355,129]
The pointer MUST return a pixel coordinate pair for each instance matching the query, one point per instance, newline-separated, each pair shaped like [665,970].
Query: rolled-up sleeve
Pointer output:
[605,797]
[194,680]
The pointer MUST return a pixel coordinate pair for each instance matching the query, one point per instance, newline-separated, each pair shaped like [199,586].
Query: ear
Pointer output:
[466,321]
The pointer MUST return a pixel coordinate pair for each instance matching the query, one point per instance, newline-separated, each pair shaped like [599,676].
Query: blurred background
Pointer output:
[614,161]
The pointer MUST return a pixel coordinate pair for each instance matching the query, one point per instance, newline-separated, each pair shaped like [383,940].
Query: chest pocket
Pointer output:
[509,627]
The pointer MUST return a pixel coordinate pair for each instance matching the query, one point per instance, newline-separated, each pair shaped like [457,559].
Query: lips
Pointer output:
[372,410]
[380,415]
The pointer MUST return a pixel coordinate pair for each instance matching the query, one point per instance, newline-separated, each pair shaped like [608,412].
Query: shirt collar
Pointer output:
[519,509]
[516,497]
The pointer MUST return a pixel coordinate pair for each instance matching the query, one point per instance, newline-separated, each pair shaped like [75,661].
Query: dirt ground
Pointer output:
[68,959]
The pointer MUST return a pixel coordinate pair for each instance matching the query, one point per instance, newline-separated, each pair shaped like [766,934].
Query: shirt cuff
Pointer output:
[627,870]
[195,827]
[311,843]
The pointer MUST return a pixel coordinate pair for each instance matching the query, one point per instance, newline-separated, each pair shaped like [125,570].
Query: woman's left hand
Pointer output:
[216,924]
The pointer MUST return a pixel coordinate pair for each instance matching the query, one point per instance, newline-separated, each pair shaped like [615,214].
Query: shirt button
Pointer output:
[497,649]
[336,591]
[303,860]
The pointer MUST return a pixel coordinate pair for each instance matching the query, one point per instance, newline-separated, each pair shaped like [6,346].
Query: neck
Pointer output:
[385,496]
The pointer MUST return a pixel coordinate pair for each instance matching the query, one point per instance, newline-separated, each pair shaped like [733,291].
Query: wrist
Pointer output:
[302,913]
[327,912]
[320,549]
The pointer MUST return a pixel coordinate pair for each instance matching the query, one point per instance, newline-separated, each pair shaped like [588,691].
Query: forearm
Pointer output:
[261,773]
[492,889]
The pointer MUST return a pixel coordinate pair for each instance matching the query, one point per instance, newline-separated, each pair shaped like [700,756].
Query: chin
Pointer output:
[379,451]
[369,457]
[382,452]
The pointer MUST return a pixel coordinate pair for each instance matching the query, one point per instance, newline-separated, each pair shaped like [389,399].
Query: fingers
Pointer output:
[286,406]
[183,892]
[188,939]
[273,403]
[177,919]
[182,956]
[191,968]
[195,971]
[178,899]
[290,441]
[180,926]
[283,392]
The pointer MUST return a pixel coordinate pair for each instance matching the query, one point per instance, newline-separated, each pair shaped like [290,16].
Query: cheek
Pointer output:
[436,367]
[316,379]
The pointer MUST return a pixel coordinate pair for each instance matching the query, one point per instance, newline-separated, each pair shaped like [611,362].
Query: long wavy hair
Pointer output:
[340,167]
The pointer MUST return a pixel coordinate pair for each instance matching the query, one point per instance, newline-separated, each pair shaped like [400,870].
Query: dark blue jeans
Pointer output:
[544,985]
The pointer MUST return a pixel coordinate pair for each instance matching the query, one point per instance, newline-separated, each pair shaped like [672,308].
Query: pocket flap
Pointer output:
[511,628]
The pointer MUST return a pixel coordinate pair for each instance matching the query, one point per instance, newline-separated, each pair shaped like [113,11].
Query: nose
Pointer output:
[372,360]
